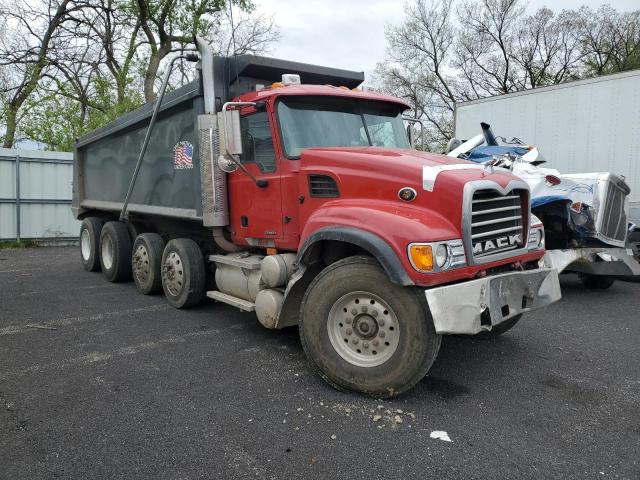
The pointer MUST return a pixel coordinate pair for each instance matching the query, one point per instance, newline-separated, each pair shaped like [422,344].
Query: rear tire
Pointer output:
[183,273]
[596,282]
[390,338]
[146,262]
[115,252]
[499,329]
[90,243]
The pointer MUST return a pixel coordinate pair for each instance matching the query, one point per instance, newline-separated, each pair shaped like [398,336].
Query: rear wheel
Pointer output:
[596,282]
[183,273]
[500,328]
[146,262]
[364,333]
[90,243]
[115,252]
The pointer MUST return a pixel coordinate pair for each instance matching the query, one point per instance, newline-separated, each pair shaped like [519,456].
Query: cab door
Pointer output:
[255,212]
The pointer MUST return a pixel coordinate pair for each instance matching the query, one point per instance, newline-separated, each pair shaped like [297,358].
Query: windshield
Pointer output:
[307,122]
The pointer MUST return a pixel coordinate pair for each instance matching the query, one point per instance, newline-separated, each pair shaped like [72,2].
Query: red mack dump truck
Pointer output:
[262,186]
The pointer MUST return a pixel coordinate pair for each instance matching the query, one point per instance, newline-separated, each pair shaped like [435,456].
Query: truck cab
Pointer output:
[293,194]
[337,159]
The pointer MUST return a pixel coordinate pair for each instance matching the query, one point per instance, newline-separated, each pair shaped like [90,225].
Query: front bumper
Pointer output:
[478,305]
[594,261]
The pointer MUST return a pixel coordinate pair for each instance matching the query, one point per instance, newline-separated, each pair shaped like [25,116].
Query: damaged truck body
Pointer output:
[266,188]
[584,214]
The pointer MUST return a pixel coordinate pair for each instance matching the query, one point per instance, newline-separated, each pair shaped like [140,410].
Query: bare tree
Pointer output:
[169,23]
[114,32]
[486,45]
[248,32]
[418,65]
[610,41]
[546,49]
[26,50]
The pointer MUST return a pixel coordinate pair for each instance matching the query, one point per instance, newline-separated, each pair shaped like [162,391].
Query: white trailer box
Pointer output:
[583,126]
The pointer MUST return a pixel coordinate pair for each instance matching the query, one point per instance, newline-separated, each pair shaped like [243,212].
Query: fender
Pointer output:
[383,228]
[370,242]
[544,200]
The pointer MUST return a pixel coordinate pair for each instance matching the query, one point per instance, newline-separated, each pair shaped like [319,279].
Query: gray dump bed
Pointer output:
[170,179]
[168,182]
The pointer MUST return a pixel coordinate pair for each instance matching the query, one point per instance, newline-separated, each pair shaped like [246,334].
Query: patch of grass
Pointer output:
[15,244]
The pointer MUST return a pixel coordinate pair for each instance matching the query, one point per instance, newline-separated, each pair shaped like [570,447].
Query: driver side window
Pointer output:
[257,142]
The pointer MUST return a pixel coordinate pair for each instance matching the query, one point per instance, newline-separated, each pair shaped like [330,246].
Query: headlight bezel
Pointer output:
[455,255]
[536,240]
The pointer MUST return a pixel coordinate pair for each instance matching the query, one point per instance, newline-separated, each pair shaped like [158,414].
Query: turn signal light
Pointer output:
[421,257]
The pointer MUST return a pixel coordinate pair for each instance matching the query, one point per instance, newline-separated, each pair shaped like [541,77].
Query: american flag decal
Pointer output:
[183,155]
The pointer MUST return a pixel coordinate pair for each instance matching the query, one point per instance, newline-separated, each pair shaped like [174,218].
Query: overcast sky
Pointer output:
[350,33]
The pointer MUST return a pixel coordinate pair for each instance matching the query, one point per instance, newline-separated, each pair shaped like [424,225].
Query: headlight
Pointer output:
[582,215]
[436,256]
[442,254]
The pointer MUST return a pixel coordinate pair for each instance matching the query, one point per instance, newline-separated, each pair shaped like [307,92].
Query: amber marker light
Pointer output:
[421,257]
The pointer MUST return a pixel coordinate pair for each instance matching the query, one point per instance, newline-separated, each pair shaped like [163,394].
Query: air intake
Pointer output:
[323,186]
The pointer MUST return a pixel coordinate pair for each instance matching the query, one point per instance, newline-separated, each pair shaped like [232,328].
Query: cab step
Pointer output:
[239,260]
[231,300]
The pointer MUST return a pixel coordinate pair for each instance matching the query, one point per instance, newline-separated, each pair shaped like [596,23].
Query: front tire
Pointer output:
[364,333]
[596,282]
[183,273]
[90,243]
[115,252]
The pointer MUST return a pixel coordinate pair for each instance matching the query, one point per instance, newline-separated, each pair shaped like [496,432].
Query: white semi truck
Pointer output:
[585,126]
[588,125]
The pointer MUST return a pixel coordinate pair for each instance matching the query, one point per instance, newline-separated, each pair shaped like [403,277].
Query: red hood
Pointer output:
[381,154]
[366,174]
[368,181]
[396,165]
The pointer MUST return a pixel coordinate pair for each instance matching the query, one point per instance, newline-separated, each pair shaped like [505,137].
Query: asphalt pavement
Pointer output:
[98,381]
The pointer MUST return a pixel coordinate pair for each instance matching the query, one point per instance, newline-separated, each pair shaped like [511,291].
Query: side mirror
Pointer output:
[410,136]
[232,132]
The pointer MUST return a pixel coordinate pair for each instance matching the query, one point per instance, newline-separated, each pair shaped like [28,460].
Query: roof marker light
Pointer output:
[291,79]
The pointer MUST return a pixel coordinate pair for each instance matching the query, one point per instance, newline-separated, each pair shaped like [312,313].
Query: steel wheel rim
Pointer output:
[363,329]
[85,244]
[173,274]
[140,264]
[106,252]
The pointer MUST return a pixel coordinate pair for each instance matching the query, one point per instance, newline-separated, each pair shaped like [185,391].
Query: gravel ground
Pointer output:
[97,381]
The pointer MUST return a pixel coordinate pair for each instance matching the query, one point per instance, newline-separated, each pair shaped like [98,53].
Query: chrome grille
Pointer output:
[613,219]
[496,222]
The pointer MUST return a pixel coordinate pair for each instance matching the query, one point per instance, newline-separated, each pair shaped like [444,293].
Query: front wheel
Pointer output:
[596,282]
[364,333]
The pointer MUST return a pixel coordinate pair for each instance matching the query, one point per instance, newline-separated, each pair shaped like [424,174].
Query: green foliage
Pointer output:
[57,120]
